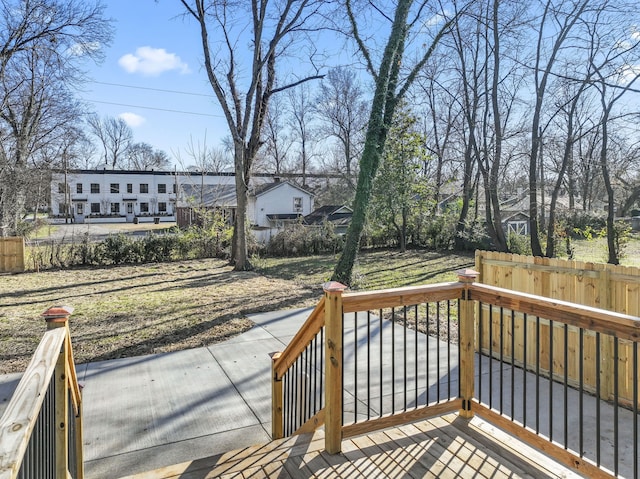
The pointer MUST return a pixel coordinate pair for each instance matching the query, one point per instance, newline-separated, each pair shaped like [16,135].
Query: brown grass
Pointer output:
[133,310]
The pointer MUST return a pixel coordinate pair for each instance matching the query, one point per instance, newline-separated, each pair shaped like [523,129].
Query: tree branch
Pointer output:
[361,46]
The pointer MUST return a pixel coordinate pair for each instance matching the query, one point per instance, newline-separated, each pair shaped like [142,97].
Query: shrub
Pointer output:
[518,244]
[582,224]
[121,249]
[475,236]
[621,237]
[298,240]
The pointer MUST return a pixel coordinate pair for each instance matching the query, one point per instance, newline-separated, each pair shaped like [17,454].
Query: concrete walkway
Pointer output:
[148,412]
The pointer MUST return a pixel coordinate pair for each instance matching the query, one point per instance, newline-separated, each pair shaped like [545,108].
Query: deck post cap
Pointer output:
[333,287]
[58,313]
[467,274]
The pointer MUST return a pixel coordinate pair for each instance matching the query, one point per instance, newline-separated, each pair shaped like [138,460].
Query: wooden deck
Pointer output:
[444,447]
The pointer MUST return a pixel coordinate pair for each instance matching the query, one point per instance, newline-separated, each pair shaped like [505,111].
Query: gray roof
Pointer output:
[263,188]
[223,196]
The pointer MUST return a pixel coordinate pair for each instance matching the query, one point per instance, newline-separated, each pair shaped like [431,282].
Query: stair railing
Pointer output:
[41,428]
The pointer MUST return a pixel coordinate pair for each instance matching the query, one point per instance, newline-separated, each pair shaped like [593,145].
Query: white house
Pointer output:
[272,205]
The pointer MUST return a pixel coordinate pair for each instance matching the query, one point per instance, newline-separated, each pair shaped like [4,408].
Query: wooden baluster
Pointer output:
[277,431]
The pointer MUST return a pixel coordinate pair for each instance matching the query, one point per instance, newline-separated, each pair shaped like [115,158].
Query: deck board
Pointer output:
[446,446]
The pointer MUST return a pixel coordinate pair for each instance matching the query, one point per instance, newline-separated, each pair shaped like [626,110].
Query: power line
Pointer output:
[157,109]
[153,89]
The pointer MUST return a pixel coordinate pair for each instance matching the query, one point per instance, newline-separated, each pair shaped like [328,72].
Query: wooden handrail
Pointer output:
[620,325]
[303,337]
[19,418]
[73,384]
[389,298]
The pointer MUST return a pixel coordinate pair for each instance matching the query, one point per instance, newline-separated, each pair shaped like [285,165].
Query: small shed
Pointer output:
[516,222]
[338,215]
[194,200]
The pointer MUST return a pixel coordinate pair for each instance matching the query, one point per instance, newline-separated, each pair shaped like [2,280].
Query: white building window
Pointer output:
[297,205]
[115,208]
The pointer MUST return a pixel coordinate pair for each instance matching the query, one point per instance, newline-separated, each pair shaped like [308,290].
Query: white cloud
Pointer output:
[79,49]
[152,61]
[628,73]
[132,119]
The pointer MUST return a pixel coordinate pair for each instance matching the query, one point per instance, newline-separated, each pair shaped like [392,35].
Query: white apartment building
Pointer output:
[116,195]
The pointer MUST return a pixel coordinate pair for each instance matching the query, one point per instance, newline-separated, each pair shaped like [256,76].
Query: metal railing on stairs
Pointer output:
[41,428]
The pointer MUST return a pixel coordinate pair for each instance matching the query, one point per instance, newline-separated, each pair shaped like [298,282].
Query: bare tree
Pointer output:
[301,123]
[201,157]
[608,101]
[342,109]
[557,22]
[277,142]
[142,156]
[42,46]
[441,114]
[270,30]
[115,137]
[467,90]
[569,104]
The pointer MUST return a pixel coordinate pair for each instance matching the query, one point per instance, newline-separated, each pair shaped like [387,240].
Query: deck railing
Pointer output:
[542,373]
[41,428]
[297,386]
[531,365]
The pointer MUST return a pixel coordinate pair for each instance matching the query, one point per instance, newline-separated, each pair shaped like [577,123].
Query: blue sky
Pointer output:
[154,48]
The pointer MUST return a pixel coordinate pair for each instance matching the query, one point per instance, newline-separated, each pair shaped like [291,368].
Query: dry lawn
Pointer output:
[134,310]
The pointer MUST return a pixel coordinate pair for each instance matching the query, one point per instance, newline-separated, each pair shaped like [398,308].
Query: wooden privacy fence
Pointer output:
[12,255]
[605,286]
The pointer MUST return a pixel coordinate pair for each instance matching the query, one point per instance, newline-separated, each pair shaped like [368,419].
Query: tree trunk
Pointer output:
[403,231]
[460,242]
[239,251]
[368,168]
[500,238]
[611,233]
[382,109]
